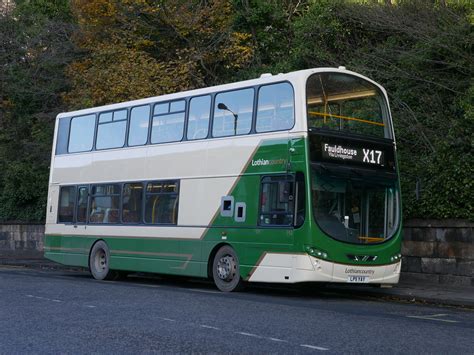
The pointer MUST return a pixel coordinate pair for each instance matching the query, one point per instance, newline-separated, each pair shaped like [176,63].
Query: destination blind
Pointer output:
[361,155]
[353,152]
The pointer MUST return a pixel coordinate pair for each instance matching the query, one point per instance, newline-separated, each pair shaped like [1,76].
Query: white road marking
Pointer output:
[203,291]
[435,317]
[58,301]
[44,298]
[314,347]
[208,327]
[249,334]
[279,340]
[144,285]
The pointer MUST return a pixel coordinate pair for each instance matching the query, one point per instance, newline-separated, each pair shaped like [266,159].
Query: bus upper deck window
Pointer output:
[111,129]
[81,136]
[168,122]
[233,111]
[139,123]
[199,114]
[275,109]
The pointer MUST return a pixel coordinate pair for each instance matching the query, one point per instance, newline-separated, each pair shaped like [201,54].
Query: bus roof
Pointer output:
[294,77]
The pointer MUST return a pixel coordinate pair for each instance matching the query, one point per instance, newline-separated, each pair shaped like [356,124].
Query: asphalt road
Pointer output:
[68,312]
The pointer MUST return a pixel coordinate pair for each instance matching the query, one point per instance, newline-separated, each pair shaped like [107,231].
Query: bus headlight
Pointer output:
[396,257]
[318,253]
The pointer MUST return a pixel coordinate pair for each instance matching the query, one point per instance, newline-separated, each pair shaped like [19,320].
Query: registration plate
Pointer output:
[358,279]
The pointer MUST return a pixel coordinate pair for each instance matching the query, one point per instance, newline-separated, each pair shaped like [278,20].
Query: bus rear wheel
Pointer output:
[226,270]
[99,262]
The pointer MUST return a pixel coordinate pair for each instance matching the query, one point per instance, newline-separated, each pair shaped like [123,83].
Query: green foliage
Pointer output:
[56,55]
[421,53]
[136,49]
[270,24]
[36,43]
[35,10]
[25,186]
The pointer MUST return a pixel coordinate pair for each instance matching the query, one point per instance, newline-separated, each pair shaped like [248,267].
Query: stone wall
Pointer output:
[438,251]
[21,237]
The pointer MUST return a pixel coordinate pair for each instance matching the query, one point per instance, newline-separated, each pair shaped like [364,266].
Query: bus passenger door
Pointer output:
[297,166]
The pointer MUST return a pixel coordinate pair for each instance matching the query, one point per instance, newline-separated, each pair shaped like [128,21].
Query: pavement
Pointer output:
[406,291]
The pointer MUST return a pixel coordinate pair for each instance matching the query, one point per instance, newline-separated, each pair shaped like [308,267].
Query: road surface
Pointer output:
[69,312]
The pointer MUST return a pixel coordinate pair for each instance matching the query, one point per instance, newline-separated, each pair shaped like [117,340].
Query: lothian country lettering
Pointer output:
[359,271]
[263,162]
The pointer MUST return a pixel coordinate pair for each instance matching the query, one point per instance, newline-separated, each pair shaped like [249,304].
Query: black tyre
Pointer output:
[226,270]
[99,261]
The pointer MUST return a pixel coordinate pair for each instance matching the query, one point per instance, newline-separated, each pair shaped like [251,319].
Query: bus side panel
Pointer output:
[249,240]
[130,254]
[71,259]
[174,249]
[72,251]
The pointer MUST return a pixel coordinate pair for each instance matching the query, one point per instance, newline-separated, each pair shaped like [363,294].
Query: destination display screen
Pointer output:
[352,152]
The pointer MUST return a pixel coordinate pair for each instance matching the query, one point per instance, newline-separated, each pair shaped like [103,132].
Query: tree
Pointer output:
[270,24]
[135,49]
[422,54]
[35,48]
[59,55]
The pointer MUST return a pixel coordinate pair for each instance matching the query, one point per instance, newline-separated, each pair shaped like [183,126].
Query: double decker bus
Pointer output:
[286,178]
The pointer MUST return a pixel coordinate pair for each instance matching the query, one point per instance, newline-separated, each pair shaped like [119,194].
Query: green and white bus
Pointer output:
[286,178]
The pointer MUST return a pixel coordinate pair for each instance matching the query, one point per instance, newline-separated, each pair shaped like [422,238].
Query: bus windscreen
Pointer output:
[354,211]
[343,102]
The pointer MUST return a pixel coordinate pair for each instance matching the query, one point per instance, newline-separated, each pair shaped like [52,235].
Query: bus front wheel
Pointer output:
[99,262]
[226,270]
